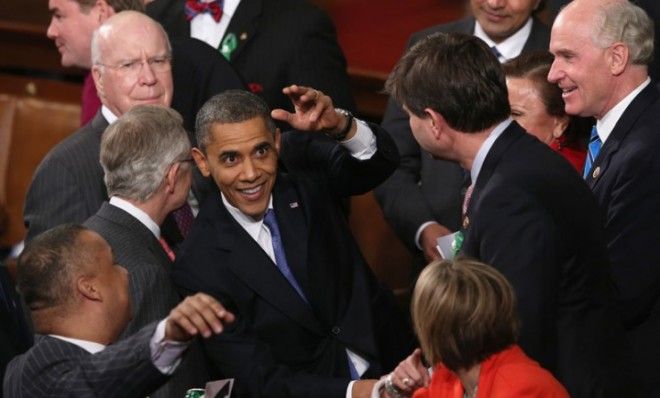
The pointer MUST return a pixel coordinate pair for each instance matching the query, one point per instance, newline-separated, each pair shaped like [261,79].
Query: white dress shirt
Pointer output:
[361,146]
[140,215]
[607,123]
[510,47]
[204,27]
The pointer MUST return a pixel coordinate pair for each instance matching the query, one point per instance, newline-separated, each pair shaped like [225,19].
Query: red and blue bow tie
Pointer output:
[194,7]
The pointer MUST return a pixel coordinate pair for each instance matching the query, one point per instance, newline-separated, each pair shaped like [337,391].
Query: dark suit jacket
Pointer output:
[56,368]
[422,188]
[534,219]
[198,73]
[152,292]
[280,346]
[280,42]
[628,192]
[67,186]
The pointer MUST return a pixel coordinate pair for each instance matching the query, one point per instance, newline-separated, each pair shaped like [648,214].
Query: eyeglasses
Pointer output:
[134,67]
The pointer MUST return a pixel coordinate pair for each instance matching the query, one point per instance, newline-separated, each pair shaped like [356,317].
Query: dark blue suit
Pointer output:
[627,189]
[280,346]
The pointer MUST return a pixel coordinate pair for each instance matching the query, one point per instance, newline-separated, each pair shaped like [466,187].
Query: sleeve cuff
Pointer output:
[165,354]
[362,145]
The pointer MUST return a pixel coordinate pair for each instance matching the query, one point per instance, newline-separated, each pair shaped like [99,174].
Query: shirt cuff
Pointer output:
[362,145]
[419,233]
[349,389]
[165,354]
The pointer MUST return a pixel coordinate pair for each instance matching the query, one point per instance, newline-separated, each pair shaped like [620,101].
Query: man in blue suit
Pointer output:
[602,51]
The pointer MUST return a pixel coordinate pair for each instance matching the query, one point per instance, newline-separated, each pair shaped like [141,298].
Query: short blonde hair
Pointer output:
[463,311]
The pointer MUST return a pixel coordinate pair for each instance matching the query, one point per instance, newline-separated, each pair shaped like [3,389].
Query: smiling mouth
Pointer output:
[566,91]
[253,192]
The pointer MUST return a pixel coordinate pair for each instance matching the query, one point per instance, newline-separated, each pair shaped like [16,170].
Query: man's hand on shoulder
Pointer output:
[200,314]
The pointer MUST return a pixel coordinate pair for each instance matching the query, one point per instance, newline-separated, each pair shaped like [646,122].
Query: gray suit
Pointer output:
[422,188]
[68,184]
[56,368]
[151,290]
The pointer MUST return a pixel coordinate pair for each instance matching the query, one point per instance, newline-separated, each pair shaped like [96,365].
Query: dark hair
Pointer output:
[456,75]
[231,106]
[117,5]
[44,268]
[463,312]
[535,66]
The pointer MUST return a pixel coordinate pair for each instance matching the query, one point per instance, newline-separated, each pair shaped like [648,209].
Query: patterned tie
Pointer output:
[278,248]
[184,219]
[194,7]
[592,151]
[168,250]
[466,199]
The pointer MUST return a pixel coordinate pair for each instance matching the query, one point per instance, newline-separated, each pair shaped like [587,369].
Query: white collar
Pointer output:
[138,213]
[88,346]
[485,148]
[249,224]
[510,47]
[108,115]
[607,123]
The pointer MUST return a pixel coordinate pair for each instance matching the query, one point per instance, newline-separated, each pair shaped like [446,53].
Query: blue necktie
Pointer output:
[592,151]
[278,249]
[495,51]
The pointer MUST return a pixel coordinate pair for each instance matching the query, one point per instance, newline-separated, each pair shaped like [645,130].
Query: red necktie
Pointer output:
[167,249]
[184,219]
[195,7]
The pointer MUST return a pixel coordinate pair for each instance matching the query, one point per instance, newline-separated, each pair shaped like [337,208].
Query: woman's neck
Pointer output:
[470,380]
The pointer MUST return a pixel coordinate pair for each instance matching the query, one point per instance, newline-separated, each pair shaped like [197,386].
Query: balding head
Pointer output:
[602,49]
[131,55]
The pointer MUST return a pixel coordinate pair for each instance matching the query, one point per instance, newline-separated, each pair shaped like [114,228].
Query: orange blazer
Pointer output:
[509,373]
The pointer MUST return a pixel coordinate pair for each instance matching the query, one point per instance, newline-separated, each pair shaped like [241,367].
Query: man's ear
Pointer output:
[618,58]
[437,122]
[88,288]
[200,160]
[104,10]
[171,177]
[278,140]
[98,83]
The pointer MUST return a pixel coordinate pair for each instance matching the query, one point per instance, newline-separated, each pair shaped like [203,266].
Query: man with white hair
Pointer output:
[602,50]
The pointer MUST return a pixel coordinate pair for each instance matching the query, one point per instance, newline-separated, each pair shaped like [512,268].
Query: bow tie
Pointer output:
[194,7]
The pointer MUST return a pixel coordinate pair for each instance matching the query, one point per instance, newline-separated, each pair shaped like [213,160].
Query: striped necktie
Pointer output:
[592,151]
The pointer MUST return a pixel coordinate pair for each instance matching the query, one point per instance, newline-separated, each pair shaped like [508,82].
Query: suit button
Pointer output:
[335,330]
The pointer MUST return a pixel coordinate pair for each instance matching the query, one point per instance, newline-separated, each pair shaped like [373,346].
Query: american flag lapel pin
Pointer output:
[293,205]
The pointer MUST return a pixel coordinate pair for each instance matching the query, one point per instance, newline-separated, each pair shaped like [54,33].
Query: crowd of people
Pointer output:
[194,228]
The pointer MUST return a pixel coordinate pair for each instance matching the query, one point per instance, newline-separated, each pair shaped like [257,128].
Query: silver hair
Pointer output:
[627,23]
[138,149]
[231,106]
[102,32]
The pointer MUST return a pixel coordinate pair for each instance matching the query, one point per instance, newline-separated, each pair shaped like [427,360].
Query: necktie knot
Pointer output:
[592,150]
[195,7]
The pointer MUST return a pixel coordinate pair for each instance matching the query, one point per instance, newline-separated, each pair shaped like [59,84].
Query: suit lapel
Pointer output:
[244,24]
[539,37]
[622,128]
[252,265]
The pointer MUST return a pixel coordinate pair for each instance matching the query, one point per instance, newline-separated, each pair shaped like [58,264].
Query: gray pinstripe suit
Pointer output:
[151,290]
[56,368]
[68,184]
